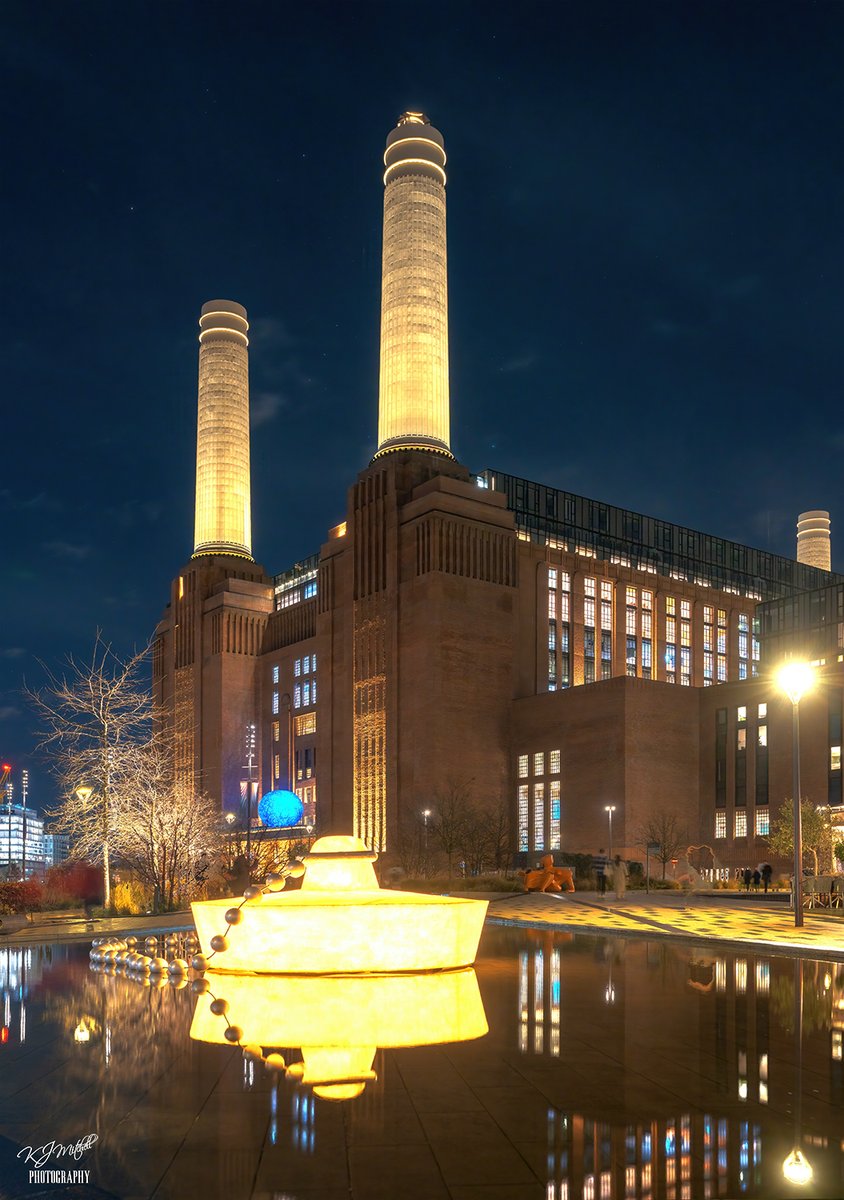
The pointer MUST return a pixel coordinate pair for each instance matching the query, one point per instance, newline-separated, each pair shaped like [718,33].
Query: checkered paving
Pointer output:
[691,917]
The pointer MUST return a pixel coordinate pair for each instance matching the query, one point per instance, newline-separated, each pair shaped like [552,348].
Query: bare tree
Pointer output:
[664,829]
[451,815]
[163,829]
[93,716]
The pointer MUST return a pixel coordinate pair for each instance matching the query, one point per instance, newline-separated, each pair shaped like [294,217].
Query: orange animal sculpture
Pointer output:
[548,878]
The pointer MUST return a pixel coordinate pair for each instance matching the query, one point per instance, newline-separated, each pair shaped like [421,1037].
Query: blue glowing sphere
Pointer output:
[280,809]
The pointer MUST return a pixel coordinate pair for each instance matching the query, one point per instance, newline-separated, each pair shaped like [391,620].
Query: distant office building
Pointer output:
[23,851]
[464,631]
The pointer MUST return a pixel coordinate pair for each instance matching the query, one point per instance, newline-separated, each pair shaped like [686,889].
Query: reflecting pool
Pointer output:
[612,1069]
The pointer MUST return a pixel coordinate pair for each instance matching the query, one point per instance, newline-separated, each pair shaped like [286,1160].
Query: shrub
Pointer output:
[131,899]
[21,896]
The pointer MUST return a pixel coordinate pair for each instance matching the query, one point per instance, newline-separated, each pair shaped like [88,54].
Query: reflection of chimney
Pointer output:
[223,503]
[813,545]
[413,396]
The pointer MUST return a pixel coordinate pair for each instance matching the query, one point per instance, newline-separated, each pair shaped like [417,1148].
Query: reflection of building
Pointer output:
[636,1050]
[558,652]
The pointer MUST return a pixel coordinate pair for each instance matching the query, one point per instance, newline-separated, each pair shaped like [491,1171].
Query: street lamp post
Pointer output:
[426,812]
[795,679]
[609,809]
[84,794]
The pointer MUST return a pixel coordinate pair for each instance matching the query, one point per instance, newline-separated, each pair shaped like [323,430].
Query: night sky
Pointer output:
[645,272]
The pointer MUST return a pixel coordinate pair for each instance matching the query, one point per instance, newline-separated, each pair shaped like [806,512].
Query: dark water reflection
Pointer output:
[613,1070]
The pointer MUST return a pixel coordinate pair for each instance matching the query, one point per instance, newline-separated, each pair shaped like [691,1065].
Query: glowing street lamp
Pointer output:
[84,794]
[796,679]
[609,809]
[426,812]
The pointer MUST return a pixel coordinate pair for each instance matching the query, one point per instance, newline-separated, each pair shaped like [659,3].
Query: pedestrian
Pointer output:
[757,879]
[600,863]
[747,876]
[619,874]
[767,872]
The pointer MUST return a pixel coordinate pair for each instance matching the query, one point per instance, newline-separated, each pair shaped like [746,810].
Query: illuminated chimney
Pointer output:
[813,545]
[413,393]
[223,509]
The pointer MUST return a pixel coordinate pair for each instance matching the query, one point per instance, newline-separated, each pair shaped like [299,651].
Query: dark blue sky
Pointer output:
[645,252]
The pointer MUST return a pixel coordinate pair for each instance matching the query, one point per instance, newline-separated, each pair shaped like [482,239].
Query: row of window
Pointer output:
[538,763]
[740,824]
[544,800]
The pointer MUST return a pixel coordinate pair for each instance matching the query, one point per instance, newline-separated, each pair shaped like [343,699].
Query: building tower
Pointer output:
[208,643]
[223,512]
[413,388]
[813,542]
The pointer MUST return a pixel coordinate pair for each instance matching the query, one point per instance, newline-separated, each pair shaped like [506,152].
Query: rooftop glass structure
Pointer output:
[551,517]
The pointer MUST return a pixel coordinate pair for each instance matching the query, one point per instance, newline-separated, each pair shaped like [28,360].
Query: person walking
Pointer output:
[757,879]
[767,872]
[747,876]
[619,876]
[600,863]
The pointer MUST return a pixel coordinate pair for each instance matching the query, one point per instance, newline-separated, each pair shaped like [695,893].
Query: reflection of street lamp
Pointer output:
[795,679]
[797,1169]
[609,809]
[426,812]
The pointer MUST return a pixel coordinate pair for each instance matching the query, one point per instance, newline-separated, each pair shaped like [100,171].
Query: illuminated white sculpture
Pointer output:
[340,922]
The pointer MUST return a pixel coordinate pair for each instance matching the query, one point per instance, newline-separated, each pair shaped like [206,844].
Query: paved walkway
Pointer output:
[728,919]
[731,920]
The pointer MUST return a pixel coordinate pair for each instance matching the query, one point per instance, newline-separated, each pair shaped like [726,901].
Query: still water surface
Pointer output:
[613,1069]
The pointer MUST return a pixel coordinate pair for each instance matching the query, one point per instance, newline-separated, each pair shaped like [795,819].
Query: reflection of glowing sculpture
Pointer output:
[340,1021]
[341,922]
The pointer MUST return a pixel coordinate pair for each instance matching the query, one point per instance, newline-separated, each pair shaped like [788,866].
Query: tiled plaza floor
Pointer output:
[737,921]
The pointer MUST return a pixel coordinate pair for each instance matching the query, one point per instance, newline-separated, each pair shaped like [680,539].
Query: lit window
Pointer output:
[685,633]
[722,617]
[552,603]
[554,768]
[685,610]
[647,622]
[552,635]
[763,823]
[275,674]
[276,766]
[721,824]
[588,611]
[306,693]
[552,577]
[722,641]
[722,668]
[554,797]
[708,667]
[741,823]
[565,581]
[630,627]
[742,645]
[647,599]
[276,731]
[523,766]
[306,665]
[275,702]
[741,713]
[297,667]
[606,614]
[670,629]
[762,735]
[744,623]
[313,662]
[762,711]
[313,691]
[306,724]
[539,816]
[309,590]
[834,759]
[589,586]
[630,594]
[297,696]
[523,816]
[539,763]
[708,615]
[671,606]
